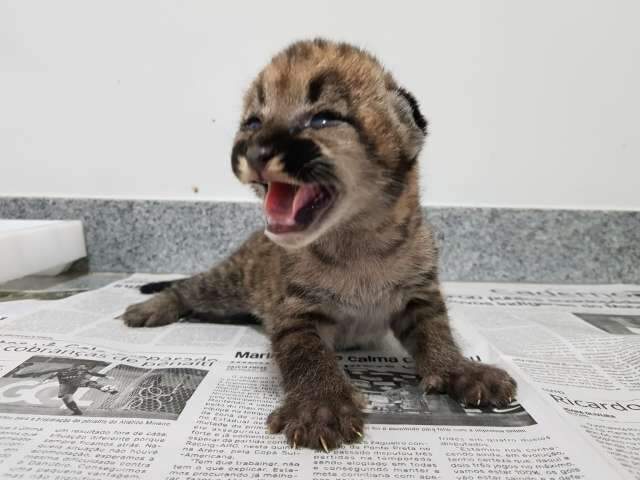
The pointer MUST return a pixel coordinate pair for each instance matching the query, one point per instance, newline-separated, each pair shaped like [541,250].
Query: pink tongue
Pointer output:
[283,201]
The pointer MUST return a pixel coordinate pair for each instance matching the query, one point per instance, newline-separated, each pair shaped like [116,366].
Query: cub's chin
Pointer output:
[297,214]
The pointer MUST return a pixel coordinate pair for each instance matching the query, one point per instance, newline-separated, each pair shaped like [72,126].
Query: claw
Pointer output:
[295,445]
[295,441]
[324,445]
[357,432]
[510,399]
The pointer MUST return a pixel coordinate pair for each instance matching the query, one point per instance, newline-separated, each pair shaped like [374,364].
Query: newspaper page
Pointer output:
[82,395]
[580,346]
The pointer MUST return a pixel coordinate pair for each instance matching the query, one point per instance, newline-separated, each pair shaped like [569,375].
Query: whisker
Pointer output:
[318,170]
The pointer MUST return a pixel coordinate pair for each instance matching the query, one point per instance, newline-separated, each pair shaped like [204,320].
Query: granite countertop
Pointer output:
[476,244]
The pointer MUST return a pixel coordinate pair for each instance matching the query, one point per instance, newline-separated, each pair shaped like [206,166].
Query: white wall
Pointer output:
[531,103]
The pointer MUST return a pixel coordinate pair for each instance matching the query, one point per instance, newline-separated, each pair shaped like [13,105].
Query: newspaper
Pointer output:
[83,396]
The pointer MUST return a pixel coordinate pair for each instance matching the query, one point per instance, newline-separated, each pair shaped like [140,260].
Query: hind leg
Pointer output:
[218,291]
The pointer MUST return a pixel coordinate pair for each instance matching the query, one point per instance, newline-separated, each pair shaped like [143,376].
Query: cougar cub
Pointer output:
[330,143]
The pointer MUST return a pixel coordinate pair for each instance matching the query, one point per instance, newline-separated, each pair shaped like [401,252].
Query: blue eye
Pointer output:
[325,119]
[252,123]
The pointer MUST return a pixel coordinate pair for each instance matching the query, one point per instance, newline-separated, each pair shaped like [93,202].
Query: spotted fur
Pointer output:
[368,267]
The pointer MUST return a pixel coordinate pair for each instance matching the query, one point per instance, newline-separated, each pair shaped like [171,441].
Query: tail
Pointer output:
[155,287]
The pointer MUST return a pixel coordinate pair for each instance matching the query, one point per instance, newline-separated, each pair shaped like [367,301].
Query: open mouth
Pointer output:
[293,208]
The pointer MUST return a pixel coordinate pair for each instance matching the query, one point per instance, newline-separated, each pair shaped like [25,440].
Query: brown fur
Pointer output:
[369,266]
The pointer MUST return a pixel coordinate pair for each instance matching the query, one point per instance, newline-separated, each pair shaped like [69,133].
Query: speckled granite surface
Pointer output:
[477,244]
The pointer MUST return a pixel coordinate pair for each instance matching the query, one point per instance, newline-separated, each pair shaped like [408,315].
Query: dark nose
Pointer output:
[258,156]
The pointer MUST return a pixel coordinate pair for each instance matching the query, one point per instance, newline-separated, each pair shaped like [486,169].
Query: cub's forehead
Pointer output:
[318,70]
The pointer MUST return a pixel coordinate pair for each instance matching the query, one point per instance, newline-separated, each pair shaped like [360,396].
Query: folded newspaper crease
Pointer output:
[82,395]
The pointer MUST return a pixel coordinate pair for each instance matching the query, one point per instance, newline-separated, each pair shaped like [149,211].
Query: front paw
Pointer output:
[475,385]
[161,309]
[318,423]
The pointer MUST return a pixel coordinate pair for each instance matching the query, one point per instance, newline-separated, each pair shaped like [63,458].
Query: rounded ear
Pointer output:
[413,123]
[418,118]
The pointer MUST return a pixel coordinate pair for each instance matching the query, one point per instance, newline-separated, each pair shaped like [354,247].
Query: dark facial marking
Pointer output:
[320,172]
[367,142]
[421,122]
[296,152]
[315,87]
[398,178]
[260,92]
[299,152]
[324,80]
[258,155]
[240,148]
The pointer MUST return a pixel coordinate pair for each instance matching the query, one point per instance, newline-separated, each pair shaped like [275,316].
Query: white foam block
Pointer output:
[47,247]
